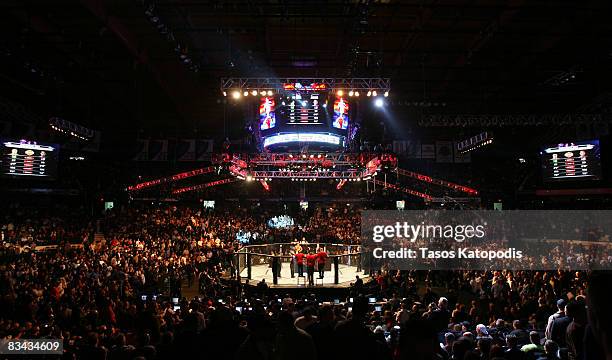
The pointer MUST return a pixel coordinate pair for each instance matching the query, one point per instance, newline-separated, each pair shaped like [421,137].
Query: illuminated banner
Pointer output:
[302,137]
[267,117]
[341,109]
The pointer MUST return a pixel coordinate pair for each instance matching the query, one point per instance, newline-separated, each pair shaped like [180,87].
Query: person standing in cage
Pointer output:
[275,264]
[299,258]
[279,264]
[310,264]
[321,258]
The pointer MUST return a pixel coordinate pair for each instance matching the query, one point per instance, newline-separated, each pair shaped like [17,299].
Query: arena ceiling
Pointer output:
[155,65]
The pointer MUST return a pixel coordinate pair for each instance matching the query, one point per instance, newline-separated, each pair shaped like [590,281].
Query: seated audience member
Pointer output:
[551,351]
[535,348]
[482,332]
[307,319]
[513,352]
[293,342]
[449,340]
[522,336]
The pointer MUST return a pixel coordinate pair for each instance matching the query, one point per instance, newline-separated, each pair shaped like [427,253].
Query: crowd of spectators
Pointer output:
[30,226]
[119,297]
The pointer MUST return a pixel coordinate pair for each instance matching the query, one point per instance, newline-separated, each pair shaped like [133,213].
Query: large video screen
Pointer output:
[29,159]
[572,161]
[341,113]
[267,115]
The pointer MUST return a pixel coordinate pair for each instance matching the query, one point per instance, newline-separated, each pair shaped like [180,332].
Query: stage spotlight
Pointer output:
[325,105]
[270,92]
[374,93]
[386,94]
[351,93]
[254,92]
[340,93]
[246,93]
[356,93]
[249,178]
[236,94]
[369,93]
[262,93]
[224,93]
[379,102]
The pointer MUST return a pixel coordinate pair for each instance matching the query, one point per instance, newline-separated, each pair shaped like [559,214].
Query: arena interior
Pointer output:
[228,179]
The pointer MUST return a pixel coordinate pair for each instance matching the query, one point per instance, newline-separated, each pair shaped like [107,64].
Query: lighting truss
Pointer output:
[204,186]
[381,85]
[456,200]
[172,178]
[304,159]
[352,175]
[402,189]
[428,179]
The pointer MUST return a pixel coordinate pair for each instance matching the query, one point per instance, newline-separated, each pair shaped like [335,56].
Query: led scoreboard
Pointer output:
[28,159]
[572,161]
[303,104]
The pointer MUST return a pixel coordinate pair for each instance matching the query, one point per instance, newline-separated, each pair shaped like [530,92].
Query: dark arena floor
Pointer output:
[305,180]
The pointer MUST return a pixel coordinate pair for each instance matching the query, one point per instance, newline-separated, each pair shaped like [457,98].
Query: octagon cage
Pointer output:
[277,262]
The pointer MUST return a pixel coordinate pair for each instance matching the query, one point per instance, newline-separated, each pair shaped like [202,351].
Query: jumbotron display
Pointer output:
[29,159]
[572,161]
[304,115]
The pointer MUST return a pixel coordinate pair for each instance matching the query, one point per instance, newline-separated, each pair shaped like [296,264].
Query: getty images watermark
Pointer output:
[458,233]
[519,240]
